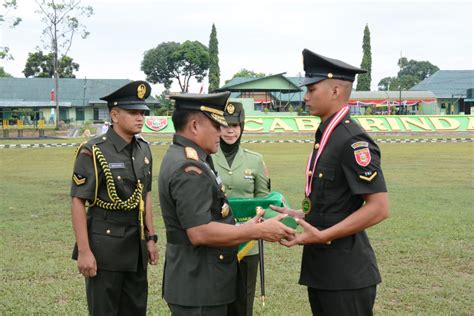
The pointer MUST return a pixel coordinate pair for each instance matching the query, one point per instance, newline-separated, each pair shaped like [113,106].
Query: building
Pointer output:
[279,93]
[451,90]
[32,99]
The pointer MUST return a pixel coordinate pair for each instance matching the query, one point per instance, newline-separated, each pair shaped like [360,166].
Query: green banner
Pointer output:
[373,123]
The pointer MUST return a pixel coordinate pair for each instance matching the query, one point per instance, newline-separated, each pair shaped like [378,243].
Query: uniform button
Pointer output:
[316,146]
[119,177]
[133,158]
[230,172]
[320,175]
[107,231]
[221,257]
[347,121]
[310,173]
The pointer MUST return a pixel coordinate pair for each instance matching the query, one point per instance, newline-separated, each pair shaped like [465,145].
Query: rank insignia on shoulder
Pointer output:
[362,156]
[191,153]
[368,176]
[193,169]
[78,179]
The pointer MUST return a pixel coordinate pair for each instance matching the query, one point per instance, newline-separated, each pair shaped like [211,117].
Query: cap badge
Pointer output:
[230,108]
[330,75]
[141,91]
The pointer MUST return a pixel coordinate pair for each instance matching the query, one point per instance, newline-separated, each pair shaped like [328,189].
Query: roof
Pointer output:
[406,95]
[447,83]
[77,92]
[276,82]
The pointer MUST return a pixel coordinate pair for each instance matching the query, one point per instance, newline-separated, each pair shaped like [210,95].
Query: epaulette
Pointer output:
[191,153]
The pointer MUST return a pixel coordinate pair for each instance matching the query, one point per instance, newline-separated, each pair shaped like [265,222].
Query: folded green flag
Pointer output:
[244,209]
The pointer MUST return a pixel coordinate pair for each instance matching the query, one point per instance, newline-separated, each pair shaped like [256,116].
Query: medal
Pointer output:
[306,205]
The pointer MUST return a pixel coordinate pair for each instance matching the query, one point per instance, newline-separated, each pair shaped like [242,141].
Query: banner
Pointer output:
[373,123]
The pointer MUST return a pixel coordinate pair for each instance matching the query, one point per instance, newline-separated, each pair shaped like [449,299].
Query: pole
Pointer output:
[262,270]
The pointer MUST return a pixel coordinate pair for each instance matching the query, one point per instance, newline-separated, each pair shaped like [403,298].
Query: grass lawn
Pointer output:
[425,249]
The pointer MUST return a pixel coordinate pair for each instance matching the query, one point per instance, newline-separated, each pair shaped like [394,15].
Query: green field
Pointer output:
[425,249]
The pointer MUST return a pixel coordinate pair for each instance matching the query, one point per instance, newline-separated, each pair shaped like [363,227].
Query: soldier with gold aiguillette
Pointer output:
[115,239]
[201,269]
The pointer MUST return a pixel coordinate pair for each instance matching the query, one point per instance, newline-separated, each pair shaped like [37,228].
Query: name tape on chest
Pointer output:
[117,165]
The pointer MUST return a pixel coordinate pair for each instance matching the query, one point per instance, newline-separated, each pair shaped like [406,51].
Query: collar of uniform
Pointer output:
[183,141]
[324,124]
[118,142]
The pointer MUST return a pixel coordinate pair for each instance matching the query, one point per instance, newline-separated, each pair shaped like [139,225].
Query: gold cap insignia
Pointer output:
[219,118]
[330,75]
[230,108]
[146,160]
[225,210]
[191,153]
[141,91]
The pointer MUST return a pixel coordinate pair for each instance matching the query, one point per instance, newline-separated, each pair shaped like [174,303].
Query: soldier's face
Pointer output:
[318,98]
[208,134]
[128,121]
[230,133]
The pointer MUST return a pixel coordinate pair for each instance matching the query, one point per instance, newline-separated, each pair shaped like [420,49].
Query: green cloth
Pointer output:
[246,178]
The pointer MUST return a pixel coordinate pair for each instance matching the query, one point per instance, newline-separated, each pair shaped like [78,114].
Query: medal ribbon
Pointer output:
[327,133]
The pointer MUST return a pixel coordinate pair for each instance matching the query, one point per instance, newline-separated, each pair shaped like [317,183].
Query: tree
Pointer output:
[364,80]
[39,65]
[5,17]
[4,74]
[61,20]
[245,73]
[171,60]
[214,71]
[411,73]
[418,69]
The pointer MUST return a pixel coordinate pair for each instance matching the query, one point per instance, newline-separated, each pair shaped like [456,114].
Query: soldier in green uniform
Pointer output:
[201,269]
[244,174]
[345,193]
[115,239]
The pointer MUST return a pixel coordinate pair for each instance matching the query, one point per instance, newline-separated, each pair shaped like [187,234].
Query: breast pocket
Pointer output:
[223,264]
[124,181]
[326,183]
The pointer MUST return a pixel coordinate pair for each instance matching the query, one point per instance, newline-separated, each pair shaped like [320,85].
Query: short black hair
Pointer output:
[181,117]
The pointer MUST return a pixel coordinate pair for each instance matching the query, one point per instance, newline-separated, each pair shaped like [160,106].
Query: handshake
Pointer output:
[280,221]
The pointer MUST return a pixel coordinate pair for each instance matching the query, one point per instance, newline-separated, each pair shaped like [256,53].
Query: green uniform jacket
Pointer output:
[246,178]
[191,195]
[114,235]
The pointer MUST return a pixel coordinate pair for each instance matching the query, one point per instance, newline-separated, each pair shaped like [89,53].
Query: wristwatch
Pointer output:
[152,237]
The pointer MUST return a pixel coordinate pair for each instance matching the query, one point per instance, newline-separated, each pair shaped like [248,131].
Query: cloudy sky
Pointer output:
[264,36]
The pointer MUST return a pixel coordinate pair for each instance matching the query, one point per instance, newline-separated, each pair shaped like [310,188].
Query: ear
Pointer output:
[113,115]
[336,91]
[194,126]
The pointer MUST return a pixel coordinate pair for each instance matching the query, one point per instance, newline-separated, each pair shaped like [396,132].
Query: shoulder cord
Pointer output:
[117,204]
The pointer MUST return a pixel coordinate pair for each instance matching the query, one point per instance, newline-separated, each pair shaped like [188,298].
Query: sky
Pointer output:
[260,35]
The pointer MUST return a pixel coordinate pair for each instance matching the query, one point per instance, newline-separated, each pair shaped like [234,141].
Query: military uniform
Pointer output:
[344,270]
[196,279]
[114,176]
[245,177]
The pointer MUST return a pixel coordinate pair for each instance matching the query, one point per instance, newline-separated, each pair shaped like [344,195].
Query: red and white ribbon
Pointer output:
[327,133]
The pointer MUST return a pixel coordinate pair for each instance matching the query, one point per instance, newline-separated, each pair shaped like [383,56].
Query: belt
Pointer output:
[129,216]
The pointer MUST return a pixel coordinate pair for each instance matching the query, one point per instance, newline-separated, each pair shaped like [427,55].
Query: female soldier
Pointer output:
[244,175]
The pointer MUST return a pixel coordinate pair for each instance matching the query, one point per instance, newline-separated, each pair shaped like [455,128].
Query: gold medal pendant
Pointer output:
[306,205]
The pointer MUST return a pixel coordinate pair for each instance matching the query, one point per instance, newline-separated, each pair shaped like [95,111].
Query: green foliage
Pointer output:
[4,74]
[364,80]
[214,70]
[6,17]
[290,108]
[248,74]
[411,73]
[171,60]
[39,65]
[166,106]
